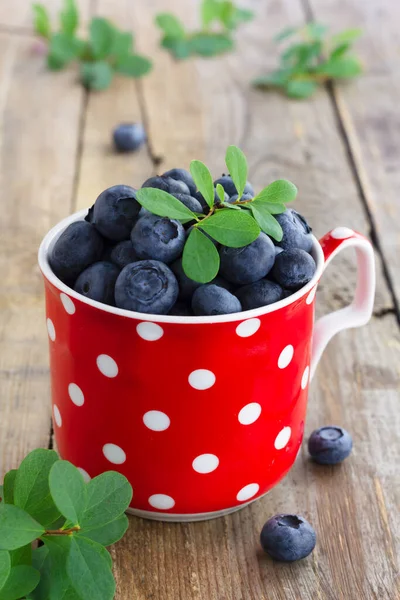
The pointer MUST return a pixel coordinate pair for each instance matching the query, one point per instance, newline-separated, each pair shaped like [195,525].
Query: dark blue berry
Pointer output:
[158,238]
[156,182]
[259,293]
[181,309]
[211,299]
[129,137]
[228,185]
[288,538]
[190,202]
[98,281]
[330,445]
[78,246]
[296,231]
[115,212]
[233,198]
[249,263]
[293,268]
[186,285]
[221,282]
[167,184]
[146,286]
[182,175]
[123,254]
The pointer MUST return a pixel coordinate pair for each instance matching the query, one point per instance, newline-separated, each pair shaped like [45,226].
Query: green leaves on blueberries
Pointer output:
[311,59]
[107,51]
[203,180]
[200,260]
[237,165]
[163,204]
[47,499]
[231,228]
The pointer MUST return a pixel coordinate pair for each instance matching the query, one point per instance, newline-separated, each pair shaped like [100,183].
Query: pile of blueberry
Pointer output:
[124,256]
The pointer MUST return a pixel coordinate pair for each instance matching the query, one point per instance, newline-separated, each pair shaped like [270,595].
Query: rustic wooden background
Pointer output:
[342,149]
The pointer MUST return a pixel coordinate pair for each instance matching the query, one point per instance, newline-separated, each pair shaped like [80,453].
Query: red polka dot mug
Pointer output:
[202,414]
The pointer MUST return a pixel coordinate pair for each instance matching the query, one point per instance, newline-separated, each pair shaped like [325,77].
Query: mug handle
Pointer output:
[360,310]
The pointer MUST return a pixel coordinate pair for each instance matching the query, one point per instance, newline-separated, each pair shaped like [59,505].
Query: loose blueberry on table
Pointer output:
[186,245]
[287,538]
[330,445]
[128,137]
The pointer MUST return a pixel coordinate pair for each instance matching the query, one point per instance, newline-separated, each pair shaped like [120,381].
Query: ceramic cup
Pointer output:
[202,414]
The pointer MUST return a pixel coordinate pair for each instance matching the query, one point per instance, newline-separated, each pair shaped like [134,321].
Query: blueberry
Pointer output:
[156,182]
[287,293]
[182,175]
[244,197]
[221,282]
[123,254]
[181,309]
[167,184]
[98,281]
[296,231]
[211,299]
[190,202]
[158,238]
[288,538]
[115,212]
[186,285]
[330,445]
[249,263]
[293,268]
[146,286]
[259,293]
[129,137]
[78,246]
[229,186]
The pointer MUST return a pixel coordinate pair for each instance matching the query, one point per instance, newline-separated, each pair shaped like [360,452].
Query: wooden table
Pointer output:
[342,149]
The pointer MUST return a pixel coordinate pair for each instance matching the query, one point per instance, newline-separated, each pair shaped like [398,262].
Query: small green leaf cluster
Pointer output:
[107,51]
[312,59]
[223,14]
[231,224]
[47,499]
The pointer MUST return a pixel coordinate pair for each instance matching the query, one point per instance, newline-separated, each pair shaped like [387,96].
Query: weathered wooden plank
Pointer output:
[18,13]
[37,164]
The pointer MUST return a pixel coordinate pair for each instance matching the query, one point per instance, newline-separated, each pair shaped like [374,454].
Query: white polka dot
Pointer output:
[107,365]
[282,438]
[248,328]
[51,329]
[149,331]
[114,454]
[76,394]
[161,501]
[249,413]
[247,492]
[57,416]
[311,295]
[285,357]
[341,233]
[201,379]
[205,463]
[67,303]
[304,379]
[156,420]
[84,474]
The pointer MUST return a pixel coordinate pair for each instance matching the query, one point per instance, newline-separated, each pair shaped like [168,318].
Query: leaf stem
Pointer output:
[61,531]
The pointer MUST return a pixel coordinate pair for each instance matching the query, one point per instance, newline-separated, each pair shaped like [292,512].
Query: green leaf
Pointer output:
[134,65]
[266,221]
[210,44]
[21,556]
[200,260]
[17,528]
[341,67]
[274,79]
[89,571]
[32,492]
[8,486]
[300,56]
[220,192]
[210,10]
[203,180]
[240,15]
[347,36]
[41,21]
[39,555]
[108,496]
[101,37]
[54,581]
[315,30]
[5,567]
[69,18]
[301,89]
[275,208]
[237,165]
[62,49]
[21,581]
[231,228]
[231,206]
[338,51]
[163,204]
[171,25]
[68,490]
[122,44]
[1,493]
[285,34]
[281,191]
[96,75]
[107,534]
[180,49]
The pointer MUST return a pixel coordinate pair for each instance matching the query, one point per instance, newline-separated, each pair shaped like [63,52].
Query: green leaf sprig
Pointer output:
[312,59]
[47,499]
[219,18]
[233,228]
[108,50]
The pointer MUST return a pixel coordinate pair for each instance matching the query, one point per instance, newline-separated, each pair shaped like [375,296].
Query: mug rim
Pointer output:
[53,234]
